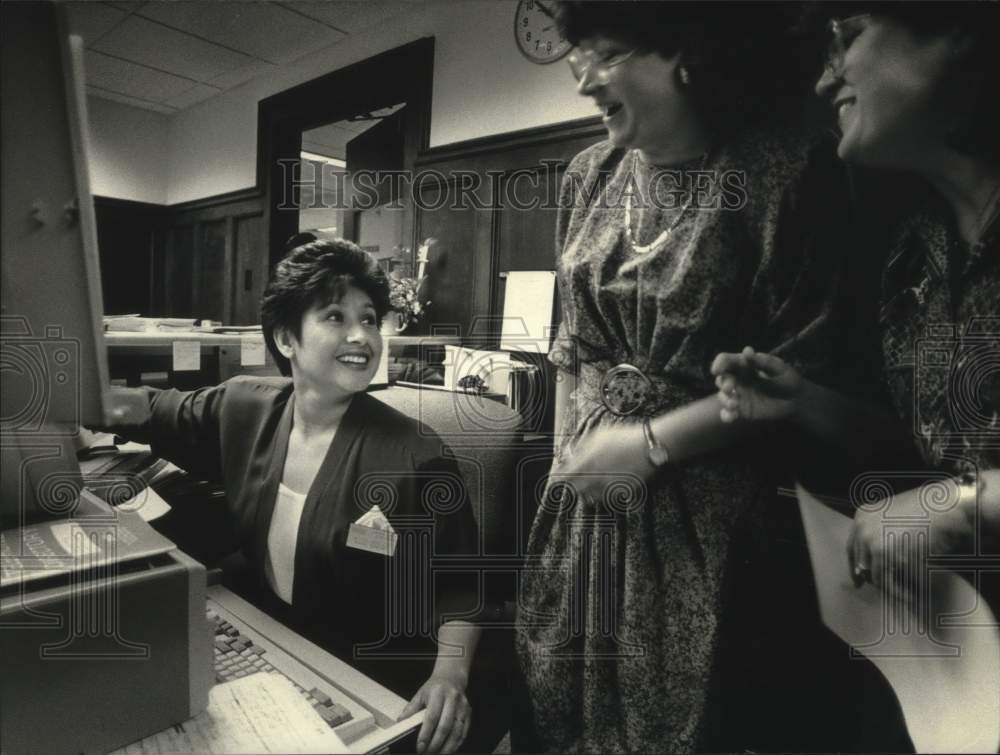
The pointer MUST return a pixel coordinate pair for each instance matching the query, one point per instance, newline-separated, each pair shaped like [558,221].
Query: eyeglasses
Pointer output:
[583,61]
[843,31]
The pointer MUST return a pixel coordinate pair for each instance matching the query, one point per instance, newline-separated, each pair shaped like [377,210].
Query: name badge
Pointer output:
[373,533]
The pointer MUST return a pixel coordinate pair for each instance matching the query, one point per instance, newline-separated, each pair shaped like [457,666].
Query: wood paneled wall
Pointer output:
[489,202]
[491,205]
[125,237]
[210,259]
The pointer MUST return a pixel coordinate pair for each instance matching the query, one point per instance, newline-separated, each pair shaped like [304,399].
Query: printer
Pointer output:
[103,635]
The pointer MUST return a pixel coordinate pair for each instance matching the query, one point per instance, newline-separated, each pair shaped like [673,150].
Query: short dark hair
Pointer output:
[974,76]
[745,61]
[315,271]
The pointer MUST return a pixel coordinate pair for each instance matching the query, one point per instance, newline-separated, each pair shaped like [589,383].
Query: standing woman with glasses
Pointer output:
[916,90]
[701,221]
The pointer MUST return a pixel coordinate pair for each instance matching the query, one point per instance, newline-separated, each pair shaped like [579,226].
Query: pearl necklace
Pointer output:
[665,234]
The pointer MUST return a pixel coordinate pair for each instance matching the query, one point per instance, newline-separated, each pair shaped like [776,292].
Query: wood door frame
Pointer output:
[403,74]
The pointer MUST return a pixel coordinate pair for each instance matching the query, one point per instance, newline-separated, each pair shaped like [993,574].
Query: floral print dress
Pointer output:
[623,605]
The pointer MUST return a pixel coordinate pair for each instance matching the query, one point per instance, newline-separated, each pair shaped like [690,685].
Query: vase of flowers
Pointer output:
[405,298]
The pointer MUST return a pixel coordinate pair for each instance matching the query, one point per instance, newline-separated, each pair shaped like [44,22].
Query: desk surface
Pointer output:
[165,338]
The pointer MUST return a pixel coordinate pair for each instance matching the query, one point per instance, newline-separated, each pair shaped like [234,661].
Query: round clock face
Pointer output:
[536,32]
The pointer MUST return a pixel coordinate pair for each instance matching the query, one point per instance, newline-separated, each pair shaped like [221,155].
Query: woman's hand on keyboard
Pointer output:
[448,713]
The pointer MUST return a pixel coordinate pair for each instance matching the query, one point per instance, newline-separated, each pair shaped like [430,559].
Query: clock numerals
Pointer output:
[537,34]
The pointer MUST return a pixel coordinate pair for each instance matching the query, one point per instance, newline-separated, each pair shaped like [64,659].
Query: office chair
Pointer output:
[487,440]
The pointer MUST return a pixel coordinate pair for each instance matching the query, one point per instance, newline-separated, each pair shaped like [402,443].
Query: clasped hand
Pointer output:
[448,713]
[755,386]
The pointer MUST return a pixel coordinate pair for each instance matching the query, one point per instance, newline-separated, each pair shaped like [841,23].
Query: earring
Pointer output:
[684,74]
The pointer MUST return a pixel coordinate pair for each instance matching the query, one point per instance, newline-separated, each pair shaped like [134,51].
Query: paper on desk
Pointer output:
[252,350]
[147,503]
[258,713]
[944,668]
[186,355]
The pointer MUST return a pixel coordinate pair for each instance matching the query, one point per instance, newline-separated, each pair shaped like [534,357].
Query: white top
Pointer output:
[282,537]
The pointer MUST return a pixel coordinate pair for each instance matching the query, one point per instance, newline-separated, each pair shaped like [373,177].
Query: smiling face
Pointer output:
[641,103]
[888,94]
[338,348]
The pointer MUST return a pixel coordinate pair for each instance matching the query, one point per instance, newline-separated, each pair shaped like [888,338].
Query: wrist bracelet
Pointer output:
[656,452]
[968,487]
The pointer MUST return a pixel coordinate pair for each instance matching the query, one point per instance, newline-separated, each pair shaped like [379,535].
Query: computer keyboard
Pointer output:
[237,656]
[361,712]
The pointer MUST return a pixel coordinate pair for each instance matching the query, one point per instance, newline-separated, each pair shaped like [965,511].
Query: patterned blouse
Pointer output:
[941,340]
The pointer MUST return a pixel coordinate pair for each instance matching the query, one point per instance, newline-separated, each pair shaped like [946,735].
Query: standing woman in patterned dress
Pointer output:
[701,221]
[915,88]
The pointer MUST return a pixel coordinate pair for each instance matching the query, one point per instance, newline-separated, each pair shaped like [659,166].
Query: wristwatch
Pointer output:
[656,452]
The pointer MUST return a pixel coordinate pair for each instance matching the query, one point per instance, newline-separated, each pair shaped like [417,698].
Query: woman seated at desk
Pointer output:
[302,460]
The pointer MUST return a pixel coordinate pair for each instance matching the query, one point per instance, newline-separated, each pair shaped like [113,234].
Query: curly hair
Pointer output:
[746,62]
[315,271]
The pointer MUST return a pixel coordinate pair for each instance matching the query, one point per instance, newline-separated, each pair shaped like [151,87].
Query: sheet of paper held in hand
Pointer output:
[941,658]
[258,713]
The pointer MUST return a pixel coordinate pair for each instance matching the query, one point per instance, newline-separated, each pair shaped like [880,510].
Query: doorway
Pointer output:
[333,155]
[378,112]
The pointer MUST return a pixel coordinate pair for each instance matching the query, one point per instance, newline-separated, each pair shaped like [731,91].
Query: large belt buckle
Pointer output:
[625,389]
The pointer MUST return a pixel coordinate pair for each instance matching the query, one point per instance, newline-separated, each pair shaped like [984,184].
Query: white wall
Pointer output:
[381,227]
[482,83]
[482,86]
[128,152]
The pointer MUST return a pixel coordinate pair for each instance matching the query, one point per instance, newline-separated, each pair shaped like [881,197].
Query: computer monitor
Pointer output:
[52,355]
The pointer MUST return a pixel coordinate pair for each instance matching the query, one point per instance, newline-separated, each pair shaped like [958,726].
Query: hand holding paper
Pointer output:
[940,651]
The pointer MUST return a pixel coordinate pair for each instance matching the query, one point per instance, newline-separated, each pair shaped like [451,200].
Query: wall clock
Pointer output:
[536,33]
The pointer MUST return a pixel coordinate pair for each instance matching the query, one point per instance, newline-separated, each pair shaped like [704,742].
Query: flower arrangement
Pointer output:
[404,289]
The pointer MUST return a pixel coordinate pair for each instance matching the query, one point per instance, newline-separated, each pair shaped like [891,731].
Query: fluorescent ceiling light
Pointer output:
[312,156]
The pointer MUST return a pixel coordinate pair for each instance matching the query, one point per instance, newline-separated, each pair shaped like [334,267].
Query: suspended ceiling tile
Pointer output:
[264,30]
[332,133]
[160,47]
[244,73]
[129,6]
[348,15]
[92,20]
[132,79]
[323,148]
[195,94]
[133,101]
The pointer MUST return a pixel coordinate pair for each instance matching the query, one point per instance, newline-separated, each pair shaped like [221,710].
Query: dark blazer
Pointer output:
[351,601]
